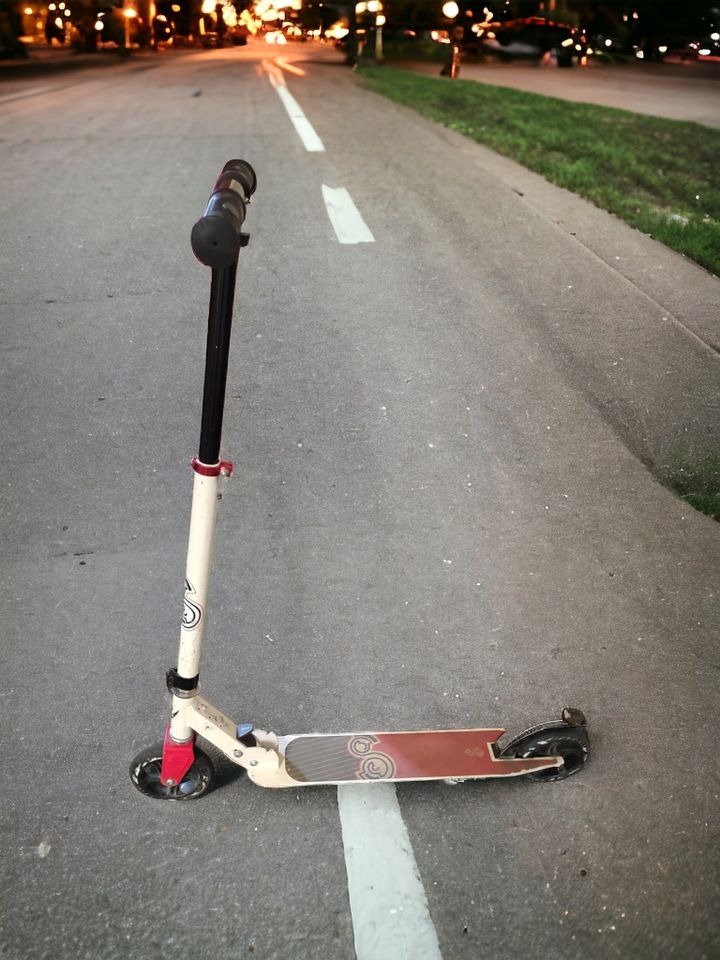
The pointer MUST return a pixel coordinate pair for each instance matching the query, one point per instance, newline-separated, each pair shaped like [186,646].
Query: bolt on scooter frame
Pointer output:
[298,760]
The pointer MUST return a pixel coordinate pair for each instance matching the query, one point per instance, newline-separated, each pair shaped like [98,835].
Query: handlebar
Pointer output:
[217,236]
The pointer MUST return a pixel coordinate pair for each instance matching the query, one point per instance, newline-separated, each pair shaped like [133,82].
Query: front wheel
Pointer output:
[145,775]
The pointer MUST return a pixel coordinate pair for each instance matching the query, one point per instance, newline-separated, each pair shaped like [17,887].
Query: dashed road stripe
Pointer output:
[290,67]
[390,915]
[345,217]
[306,131]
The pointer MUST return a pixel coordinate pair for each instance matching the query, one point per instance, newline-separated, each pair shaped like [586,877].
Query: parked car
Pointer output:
[533,38]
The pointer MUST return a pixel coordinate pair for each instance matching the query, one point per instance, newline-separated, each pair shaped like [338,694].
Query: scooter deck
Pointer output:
[408,755]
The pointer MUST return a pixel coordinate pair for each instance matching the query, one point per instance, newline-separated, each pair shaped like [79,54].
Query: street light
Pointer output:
[129,13]
[375,6]
[450,11]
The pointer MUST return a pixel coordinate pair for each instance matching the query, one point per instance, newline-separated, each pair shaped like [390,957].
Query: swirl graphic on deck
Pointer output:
[192,611]
[374,765]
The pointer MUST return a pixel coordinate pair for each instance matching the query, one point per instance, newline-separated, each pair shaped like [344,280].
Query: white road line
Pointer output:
[274,73]
[311,141]
[390,915]
[305,129]
[290,67]
[345,217]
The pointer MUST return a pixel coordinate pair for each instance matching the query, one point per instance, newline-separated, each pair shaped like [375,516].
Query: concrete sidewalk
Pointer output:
[674,91]
[45,59]
[49,60]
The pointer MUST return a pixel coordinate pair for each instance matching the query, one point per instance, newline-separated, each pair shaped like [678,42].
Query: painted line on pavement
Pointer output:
[306,131]
[390,915]
[290,67]
[345,217]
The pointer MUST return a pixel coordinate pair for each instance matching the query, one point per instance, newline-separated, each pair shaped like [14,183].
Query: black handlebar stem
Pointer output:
[216,241]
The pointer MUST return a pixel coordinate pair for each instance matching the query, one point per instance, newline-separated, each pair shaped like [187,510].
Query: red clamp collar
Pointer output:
[222,469]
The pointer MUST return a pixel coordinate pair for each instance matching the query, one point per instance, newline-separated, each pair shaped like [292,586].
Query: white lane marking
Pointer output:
[390,915]
[306,131]
[345,217]
[290,67]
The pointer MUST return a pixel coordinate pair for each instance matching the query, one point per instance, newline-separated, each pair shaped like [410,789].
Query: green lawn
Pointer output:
[660,176]
[697,483]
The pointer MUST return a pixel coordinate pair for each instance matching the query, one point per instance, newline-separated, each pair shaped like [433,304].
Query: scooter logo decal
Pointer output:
[375,765]
[192,611]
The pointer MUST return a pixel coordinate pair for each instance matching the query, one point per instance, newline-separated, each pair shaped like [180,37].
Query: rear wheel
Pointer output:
[554,740]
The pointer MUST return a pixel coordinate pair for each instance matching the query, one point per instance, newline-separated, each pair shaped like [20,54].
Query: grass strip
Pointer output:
[658,175]
[697,483]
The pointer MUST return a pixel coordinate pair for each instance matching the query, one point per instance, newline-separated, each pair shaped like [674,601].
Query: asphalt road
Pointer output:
[440,517]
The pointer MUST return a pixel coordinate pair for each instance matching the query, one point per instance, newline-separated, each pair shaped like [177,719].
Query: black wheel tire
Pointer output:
[567,743]
[145,775]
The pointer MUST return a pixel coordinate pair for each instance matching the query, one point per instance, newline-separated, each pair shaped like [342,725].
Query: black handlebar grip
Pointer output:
[241,171]
[217,236]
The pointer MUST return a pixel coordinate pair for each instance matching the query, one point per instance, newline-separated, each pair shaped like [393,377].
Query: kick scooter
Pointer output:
[177,768]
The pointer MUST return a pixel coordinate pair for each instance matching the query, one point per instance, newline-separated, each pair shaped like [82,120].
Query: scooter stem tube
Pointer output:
[222,294]
[216,240]
[208,470]
[197,572]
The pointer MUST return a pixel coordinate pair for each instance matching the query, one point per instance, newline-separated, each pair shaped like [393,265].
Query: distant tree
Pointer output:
[317,14]
[10,31]
[185,20]
[658,21]
[84,16]
[415,15]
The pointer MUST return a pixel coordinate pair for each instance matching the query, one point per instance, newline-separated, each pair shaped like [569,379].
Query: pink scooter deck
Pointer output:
[417,755]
